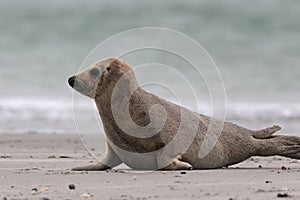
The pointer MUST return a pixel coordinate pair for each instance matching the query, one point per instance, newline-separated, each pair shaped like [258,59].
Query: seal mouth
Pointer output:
[71,81]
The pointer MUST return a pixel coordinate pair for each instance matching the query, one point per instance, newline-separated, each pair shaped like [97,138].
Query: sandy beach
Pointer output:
[236,61]
[36,166]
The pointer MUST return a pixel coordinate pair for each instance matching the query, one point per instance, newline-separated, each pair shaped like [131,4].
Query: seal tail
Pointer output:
[266,133]
[94,167]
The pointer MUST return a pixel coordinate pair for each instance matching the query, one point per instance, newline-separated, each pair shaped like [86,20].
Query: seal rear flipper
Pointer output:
[266,133]
[94,167]
[281,145]
[177,164]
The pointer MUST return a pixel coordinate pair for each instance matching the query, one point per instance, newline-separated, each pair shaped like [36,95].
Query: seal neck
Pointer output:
[117,93]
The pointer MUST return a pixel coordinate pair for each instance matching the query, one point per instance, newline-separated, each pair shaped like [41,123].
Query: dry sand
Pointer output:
[34,166]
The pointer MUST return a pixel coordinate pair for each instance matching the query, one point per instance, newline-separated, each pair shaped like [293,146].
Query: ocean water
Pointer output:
[255,45]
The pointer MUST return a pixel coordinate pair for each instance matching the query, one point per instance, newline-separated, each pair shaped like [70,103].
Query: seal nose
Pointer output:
[71,81]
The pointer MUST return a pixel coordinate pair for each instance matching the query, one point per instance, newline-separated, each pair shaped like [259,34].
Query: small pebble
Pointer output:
[34,191]
[45,189]
[72,187]
[45,198]
[65,157]
[5,156]
[86,195]
[174,188]
[268,181]
[182,172]
[261,190]
[259,166]
[283,168]
[282,195]
[52,156]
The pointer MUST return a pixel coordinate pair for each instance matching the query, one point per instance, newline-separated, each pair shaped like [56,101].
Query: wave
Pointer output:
[58,115]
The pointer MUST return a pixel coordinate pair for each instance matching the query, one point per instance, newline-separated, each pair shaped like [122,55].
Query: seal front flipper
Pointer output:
[94,167]
[110,160]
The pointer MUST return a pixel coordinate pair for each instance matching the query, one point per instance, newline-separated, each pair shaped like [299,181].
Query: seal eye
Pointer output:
[94,72]
[108,69]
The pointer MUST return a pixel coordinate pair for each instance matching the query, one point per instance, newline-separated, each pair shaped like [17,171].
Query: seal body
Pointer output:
[145,131]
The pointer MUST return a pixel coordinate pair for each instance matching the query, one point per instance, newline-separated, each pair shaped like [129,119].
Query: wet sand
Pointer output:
[36,166]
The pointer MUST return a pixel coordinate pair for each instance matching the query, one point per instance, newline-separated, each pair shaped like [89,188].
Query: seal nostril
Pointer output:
[71,81]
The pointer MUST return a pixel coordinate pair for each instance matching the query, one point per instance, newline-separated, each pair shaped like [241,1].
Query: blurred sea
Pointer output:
[254,43]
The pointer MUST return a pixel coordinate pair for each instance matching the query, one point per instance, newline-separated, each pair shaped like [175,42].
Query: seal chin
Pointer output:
[87,91]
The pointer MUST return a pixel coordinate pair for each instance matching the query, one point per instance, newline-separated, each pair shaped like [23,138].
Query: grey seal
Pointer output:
[139,149]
